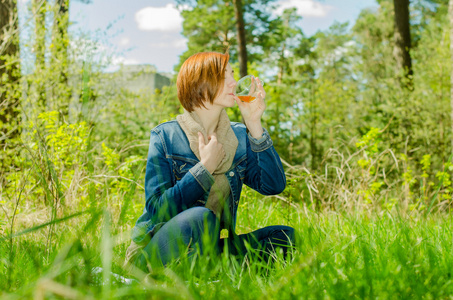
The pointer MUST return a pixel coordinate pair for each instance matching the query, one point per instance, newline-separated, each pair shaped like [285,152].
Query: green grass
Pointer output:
[340,255]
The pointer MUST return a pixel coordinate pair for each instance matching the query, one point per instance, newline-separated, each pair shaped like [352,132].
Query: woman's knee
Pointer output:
[290,232]
[286,234]
[205,229]
[201,213]
[202,217]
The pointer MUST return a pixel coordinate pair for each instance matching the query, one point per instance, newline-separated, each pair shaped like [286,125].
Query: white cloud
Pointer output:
[124,41]
[305,8]
[165,18]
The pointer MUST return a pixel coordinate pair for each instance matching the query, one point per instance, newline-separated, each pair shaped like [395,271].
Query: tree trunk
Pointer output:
[39,13]
[241,37]
[60,41]
[313,124]
[450,15]
[63,10]
[402,37]
[9,76]
[39,8]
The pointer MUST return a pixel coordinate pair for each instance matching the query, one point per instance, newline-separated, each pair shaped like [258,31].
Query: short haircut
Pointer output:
[201,79]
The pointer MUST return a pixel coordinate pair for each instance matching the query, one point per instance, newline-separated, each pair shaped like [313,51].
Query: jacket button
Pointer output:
[231,174]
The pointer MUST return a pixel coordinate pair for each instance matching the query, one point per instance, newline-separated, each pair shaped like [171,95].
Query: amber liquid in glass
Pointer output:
[247,98]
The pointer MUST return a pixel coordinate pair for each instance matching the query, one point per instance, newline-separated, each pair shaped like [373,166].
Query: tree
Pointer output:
[382,100]
[331,93]
[281,41]
[281,46]
[59,58]
[240,28]
[9,77]
[450,15]
[61,92]
[207,25]
[39,9]
[56,93]
[61,23]
[402,37]
[215,25]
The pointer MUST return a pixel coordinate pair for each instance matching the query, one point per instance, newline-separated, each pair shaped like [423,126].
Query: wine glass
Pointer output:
[246,88]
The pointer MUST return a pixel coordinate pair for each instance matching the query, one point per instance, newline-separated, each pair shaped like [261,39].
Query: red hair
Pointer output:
[201,78]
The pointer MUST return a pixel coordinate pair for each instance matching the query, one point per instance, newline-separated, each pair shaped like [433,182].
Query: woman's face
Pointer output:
[225,98]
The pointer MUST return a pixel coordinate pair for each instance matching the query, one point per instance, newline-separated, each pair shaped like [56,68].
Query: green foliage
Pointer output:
[369,163]
[10,93]
[370,141]
[445,181]
[56,156]
[365,160]
[66,143]
[123,173]
[111,158]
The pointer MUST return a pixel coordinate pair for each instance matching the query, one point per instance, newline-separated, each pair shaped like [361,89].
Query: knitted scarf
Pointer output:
[191,124]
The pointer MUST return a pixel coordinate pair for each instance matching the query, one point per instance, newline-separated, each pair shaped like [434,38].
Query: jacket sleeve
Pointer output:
[264,172]
[165,199]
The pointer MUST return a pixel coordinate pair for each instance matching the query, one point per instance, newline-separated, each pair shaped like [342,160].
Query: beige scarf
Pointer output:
[191,125]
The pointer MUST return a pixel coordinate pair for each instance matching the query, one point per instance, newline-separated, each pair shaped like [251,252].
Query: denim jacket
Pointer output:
[175,179]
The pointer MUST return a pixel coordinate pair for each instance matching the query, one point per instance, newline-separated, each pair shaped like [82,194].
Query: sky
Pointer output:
[149,31]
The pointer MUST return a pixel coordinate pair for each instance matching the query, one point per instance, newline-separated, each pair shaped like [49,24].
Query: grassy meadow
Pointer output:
[350,254]
[366,143]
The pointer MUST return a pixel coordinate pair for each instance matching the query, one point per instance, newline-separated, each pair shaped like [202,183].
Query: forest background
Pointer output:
[361,116]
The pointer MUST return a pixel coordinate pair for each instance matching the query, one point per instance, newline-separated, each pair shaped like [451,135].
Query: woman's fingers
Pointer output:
[260,88]
[212,140]
[239,102]
[253,86]
[201,139]
[212,153]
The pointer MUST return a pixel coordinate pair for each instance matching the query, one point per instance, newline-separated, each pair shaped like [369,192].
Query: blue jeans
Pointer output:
[197,228]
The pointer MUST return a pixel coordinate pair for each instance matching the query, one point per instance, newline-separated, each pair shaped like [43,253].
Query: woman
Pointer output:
[196,167]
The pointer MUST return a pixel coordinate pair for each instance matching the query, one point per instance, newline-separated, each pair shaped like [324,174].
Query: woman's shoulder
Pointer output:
[169,129]
[166,126]
[238,127]
[170,133]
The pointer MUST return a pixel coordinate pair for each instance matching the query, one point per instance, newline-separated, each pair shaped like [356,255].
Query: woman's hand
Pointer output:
[252,111]
[212,153]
